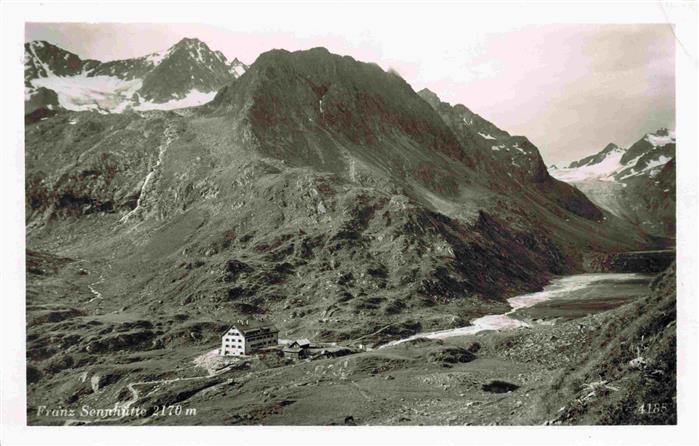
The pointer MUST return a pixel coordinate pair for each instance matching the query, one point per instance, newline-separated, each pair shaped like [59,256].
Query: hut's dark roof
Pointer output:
[254,326]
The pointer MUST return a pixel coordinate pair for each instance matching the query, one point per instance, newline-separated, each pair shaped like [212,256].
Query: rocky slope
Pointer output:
[189,73]
[628,374]
[498,153]
[601,367]
[315,191]
[494,147]
[636,183]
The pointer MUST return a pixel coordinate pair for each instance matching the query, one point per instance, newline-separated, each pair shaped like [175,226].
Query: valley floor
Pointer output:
[550,373]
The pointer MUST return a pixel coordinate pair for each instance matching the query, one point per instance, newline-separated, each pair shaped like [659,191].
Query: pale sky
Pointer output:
[571,89]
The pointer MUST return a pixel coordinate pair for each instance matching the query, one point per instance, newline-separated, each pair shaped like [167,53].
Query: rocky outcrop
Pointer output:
[630,262]
[448,356]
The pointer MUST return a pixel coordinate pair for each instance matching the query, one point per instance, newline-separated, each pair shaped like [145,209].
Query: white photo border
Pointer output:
[14,431]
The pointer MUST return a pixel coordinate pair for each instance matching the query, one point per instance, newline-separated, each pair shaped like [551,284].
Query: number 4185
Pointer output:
[652,408]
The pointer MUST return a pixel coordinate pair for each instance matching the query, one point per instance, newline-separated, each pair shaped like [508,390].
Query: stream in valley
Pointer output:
[564,298]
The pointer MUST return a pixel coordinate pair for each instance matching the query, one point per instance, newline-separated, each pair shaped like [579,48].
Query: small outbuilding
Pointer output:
[297,349]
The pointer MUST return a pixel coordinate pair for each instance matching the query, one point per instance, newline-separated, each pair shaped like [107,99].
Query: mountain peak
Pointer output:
[37,43]
[611,147]
[43,59]
[189,41]
[190,44]
[609,154]
[279,55]
[319,49]
[186,43]
[320,92]
[43,46]
[430,96]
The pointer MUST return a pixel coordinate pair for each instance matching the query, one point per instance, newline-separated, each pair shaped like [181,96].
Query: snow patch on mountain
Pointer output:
[651,169]
[156,58]
[519,149]
[191,99]
[36,60]
[237,70]
[661,140]
[603,171]
[82,93]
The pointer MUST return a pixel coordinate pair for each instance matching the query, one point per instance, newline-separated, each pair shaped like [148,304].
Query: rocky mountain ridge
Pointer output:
[310,169]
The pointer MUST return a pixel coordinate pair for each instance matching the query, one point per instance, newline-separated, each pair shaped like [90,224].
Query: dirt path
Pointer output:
[135,395]
[361,391]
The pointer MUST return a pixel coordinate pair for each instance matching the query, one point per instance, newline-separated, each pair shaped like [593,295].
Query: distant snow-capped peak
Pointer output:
[614,163]
[187,74]
[601,168]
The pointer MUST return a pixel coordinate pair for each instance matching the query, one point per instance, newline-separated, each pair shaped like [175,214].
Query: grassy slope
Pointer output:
[423,382]
[645,329]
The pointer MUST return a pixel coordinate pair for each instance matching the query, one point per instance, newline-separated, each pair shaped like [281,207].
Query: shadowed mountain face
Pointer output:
[510,163]
[43,59]
[337,114]
[316,192]
[636,183]
[190,64]
[316,108]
